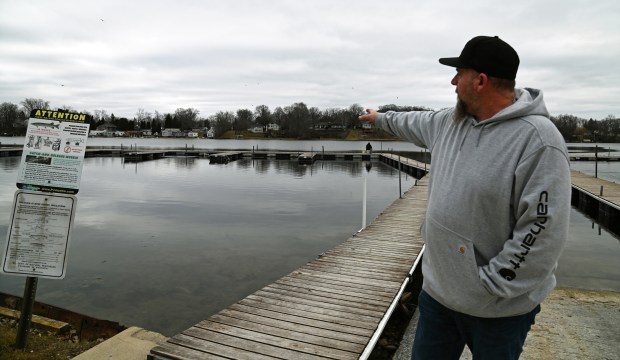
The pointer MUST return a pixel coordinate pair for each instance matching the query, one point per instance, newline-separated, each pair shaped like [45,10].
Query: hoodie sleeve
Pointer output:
[541,198]
[419,127]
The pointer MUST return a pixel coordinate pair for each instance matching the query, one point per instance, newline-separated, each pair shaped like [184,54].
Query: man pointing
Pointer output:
[498,207]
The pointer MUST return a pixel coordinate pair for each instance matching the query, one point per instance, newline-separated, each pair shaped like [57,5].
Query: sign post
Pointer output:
[30,291]
[44,209]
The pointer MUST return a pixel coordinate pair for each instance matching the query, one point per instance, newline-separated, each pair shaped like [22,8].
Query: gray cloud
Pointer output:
[225,55]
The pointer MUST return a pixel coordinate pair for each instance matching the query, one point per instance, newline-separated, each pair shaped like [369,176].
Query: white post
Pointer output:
[364,205]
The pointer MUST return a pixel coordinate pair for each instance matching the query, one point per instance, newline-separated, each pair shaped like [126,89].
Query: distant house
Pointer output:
[262,129]
[192,134]
[105,129]
[97,133]
[171,132]
[107,126]
[367,125]
[211,133]
[328,126]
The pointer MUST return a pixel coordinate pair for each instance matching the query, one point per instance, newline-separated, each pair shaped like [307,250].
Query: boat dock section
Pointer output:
[597,198]
[412,167]
[334,307]
[592,153]
[10,151]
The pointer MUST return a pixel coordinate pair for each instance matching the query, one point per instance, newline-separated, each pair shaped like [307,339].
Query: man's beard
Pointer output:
[460,111]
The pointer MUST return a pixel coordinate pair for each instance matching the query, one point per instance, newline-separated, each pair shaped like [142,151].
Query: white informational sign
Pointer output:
[39,234]
[53,152]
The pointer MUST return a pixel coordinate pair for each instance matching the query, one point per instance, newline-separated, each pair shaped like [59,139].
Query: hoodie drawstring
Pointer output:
[480,134]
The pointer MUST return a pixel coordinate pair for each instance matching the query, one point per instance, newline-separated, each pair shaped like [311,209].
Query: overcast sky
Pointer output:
[121,56]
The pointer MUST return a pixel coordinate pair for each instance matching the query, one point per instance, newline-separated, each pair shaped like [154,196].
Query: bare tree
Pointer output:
[223,122]
[243,120]
[30,104]
[566,124]
[186,117]
[263,115]
[297,119]
[352,114]
[101,116]
[9,118]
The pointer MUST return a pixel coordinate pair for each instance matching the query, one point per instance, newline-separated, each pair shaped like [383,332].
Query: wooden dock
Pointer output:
[593,152]
[225,157]
[412,167]
[11,151]
[307,158]
[597,198]
[334,307]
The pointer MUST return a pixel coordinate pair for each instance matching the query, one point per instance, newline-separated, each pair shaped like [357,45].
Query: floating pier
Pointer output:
[597,198]
[592,153]
[225,157]
[412,167]
[307,158]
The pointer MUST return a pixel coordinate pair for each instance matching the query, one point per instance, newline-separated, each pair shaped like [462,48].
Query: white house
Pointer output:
[97,133]
[170,132]
[269,127]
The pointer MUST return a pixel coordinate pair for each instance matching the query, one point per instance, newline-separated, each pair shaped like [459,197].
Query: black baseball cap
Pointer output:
[487,54]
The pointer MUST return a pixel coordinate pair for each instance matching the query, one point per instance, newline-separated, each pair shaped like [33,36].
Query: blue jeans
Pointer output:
[443,333]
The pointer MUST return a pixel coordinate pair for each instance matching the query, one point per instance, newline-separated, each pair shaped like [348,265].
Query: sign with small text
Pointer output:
[54,151]
[39,233]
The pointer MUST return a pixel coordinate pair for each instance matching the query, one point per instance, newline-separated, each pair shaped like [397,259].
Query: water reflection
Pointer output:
[590,257]
[188,237]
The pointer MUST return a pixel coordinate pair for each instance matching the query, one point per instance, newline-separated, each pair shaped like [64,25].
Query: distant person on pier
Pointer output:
[369,148]
[498,207]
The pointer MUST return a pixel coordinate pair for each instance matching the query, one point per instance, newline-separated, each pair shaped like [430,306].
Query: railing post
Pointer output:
[596,161]
[400,187]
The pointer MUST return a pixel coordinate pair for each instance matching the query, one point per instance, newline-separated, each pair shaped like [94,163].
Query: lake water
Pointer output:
[164,244]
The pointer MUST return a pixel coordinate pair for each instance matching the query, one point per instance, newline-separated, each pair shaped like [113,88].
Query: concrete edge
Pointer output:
[131,344]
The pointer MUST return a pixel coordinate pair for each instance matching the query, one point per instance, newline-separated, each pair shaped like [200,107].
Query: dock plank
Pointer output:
[288,294]
[346,290]
[342,319]
[301,320]
[309,334]
[265,343]
[219,346]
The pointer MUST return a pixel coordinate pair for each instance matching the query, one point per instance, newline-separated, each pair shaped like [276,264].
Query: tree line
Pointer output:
[294,121]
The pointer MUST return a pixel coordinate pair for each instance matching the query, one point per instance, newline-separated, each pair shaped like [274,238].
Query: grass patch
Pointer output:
[41,345]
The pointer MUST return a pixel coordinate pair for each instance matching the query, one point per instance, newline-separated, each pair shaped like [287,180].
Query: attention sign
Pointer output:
[53,152]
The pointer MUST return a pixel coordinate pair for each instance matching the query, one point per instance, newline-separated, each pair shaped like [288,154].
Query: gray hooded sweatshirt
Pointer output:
[498,205]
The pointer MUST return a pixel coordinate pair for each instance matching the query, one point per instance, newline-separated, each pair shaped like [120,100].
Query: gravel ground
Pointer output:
[573,324]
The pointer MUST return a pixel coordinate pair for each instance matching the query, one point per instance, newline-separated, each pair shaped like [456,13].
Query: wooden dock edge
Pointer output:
[382,324]
[598,199]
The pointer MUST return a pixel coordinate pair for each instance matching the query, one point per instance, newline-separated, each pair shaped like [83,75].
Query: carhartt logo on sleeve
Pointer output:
[528,240]
[507,274]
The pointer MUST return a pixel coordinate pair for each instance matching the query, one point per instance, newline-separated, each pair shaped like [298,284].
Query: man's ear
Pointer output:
[481,81]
